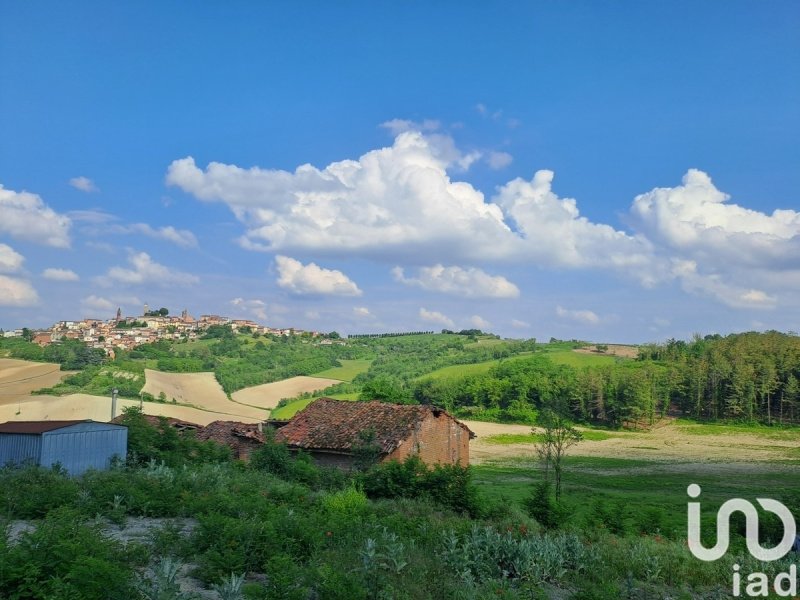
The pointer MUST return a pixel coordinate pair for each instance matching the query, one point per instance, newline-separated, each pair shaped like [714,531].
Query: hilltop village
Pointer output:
[125,333]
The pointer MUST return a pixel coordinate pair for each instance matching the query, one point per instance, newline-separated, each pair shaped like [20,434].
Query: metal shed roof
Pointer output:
[37,426]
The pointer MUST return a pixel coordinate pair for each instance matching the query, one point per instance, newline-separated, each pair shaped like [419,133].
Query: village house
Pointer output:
[330,430]
[43,339]
[241,438]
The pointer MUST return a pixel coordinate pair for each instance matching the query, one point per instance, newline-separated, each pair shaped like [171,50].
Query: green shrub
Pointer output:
[349,501]
[542,506]
[32,491]
[448,485]
[67,558]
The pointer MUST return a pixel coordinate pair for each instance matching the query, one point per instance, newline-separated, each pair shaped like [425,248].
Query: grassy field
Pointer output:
[295,406]
[775,432]
[469,369]
[632,496]
[559,356]
[580,360]
[533,438]
[347,370]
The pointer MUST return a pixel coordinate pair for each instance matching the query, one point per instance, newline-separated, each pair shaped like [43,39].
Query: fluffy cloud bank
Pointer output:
[257,308]
[717,248]
[390,203]
[581,316]
[180,237]
[10,260]
[97,303]
[433,316]
[25,216]
[402,204]
[469,283]
[83,184]
[311,279]
[399,203]
[14,291]
[146,271]
[60,275]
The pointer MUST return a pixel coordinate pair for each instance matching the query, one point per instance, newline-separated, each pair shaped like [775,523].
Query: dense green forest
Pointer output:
[281,528]
[746,377]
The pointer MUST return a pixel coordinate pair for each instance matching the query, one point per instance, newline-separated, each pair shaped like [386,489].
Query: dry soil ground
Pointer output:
[19,377]
[201,390]
[668,443]
[612,350]
[269,394]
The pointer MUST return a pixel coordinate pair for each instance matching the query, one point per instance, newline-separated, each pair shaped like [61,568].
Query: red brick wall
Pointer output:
[437,440]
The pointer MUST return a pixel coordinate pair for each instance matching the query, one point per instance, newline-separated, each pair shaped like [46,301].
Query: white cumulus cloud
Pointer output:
[60,274]
[311,279]
[97,303]
[517,324]
[469,283]
[581,316]
[432,316]
[17,292]
[258,308]
[144,270]
[25,216]
[83,184]
[399,203]
[362,312]
[391,202]
[498,160]
[180,237]
[553,232]
[479,323]
[10,260]
[715,286]
[718,248]
[404,204]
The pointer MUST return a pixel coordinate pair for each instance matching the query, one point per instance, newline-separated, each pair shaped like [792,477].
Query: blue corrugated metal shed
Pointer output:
[77,445]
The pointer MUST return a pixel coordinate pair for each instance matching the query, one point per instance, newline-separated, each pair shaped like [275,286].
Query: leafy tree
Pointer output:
[558,436]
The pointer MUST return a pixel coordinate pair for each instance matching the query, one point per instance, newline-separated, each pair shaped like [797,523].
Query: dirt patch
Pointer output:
[98,408]
[664,444]
[613,350]
[201,390]
[18,378]
[269,394]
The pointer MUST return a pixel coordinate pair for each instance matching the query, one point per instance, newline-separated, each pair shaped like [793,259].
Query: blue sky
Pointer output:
[621,171]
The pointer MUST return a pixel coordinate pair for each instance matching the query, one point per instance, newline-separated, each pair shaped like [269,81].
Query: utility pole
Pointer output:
[114,393]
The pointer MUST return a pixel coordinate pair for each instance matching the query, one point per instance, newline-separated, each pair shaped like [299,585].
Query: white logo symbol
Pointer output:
[723,528]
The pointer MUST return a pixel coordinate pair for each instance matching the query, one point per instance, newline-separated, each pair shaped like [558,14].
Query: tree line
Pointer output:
[746,377]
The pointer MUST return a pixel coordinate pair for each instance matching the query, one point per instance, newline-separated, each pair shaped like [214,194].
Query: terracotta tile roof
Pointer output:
[231,433]
[36,426]
[328,424]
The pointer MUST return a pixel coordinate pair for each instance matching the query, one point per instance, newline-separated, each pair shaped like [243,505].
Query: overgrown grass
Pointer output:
[646,495]
[776,432]
[347,369]
[455,371]
[580,359]
[290,409]
[534,438]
